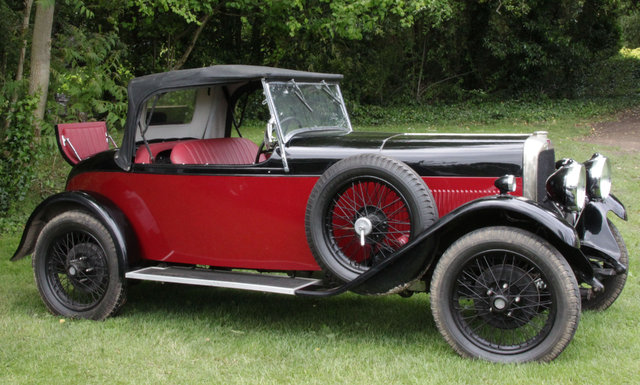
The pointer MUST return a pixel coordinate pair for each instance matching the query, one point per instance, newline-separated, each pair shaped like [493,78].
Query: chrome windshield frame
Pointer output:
[285,137]
[274,117]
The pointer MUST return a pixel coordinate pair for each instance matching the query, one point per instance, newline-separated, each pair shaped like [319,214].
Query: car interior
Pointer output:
[190,127]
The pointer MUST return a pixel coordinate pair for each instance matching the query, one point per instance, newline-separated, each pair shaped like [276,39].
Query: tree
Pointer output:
[41,57]
[23,35]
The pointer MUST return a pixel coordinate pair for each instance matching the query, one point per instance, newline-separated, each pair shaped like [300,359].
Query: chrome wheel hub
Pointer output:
[363,227]
[499,303]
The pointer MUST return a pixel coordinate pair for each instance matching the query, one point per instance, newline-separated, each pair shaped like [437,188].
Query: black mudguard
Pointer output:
[103,210]
[506,210]
[596,235]
[502,210]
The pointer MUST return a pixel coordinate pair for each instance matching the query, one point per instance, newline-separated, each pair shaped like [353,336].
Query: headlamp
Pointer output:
[598,177]
[567,185]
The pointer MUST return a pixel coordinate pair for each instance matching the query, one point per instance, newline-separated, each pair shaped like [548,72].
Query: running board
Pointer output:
[227,279]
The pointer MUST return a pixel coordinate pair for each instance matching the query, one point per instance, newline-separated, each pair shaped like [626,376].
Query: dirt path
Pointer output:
[623,132]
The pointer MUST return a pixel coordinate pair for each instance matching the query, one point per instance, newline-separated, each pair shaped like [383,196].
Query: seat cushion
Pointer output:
[79,141]
[215,151]
[142,154]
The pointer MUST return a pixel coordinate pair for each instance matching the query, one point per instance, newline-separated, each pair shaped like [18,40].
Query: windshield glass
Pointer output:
[308,106]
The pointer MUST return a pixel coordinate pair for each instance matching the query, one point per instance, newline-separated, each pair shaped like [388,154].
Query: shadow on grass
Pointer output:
[349,314]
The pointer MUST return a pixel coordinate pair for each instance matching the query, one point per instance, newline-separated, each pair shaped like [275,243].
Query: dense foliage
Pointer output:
[390,51]
[415,53]
[17,149]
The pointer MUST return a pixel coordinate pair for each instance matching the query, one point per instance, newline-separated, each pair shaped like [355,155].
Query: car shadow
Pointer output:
[348,314]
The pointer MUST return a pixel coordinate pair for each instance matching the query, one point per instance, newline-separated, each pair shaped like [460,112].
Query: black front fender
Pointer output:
[505,210]
[596,234]
[103,210]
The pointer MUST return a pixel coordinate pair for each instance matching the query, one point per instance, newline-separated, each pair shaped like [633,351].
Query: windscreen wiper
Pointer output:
[327,90]
[298,92]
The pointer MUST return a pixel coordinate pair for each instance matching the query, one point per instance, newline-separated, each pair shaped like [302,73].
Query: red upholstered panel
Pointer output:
[87,138]
[215,151]
[142,154]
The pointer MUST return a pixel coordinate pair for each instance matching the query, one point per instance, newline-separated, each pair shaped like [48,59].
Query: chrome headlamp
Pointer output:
[598,177]
[567,185]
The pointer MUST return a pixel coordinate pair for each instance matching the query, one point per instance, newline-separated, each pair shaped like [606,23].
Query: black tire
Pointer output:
[505,295]
[612,285]
[395,201]
[76,268]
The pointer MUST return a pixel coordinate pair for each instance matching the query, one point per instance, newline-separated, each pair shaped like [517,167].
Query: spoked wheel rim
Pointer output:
[502,302]
[372,208]
[76,270]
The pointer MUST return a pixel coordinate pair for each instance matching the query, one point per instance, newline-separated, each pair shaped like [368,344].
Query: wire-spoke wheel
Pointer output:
[505,295]
[362,210]
[76,267]
[366,222]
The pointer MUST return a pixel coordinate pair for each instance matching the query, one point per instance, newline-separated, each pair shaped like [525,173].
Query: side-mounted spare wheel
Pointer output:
[76,267]
[363,209]
[505,295]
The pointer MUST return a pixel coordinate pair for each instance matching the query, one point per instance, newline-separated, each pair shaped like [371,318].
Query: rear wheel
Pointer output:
[76,268]
[362,210]
[505,295]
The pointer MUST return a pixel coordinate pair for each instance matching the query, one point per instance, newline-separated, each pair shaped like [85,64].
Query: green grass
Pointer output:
[178,334]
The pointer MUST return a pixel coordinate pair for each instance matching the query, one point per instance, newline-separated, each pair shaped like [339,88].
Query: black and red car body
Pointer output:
[510,243]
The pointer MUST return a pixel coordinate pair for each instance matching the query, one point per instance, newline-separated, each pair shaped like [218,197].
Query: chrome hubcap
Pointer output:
[499,303]
[363,227]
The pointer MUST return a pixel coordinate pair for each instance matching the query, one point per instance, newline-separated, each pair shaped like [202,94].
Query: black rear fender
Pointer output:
[102,209]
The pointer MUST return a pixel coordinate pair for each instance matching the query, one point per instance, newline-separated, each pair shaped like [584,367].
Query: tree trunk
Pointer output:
[23,34]
[194,39]
[41,58]
[424,54]
[21,59]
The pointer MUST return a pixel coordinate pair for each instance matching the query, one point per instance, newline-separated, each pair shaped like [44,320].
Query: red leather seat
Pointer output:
[215,151]
[78,141]
[142,154]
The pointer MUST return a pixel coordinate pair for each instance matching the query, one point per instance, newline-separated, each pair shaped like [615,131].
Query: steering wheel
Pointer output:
[286,122]
[261,150]
[268,140]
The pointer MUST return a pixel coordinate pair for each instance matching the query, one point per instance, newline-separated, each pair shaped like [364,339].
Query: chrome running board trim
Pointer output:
[226,279]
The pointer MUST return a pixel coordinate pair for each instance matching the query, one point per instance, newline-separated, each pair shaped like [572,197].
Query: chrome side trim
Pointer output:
[462,135]
[230,280]
[384,142]
[533,146]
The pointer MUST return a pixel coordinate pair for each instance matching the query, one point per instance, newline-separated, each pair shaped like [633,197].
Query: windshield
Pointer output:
[307,106]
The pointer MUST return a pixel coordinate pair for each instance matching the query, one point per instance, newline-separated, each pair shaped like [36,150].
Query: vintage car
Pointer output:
[510,243]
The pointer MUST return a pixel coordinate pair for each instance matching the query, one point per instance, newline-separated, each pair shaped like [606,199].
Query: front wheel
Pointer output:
[76,267]
[505,295]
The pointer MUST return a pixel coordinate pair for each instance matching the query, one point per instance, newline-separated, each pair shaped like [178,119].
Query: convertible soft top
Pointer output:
[141,88]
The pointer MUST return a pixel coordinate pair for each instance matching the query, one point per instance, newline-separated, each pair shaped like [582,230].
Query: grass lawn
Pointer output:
[178,334]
